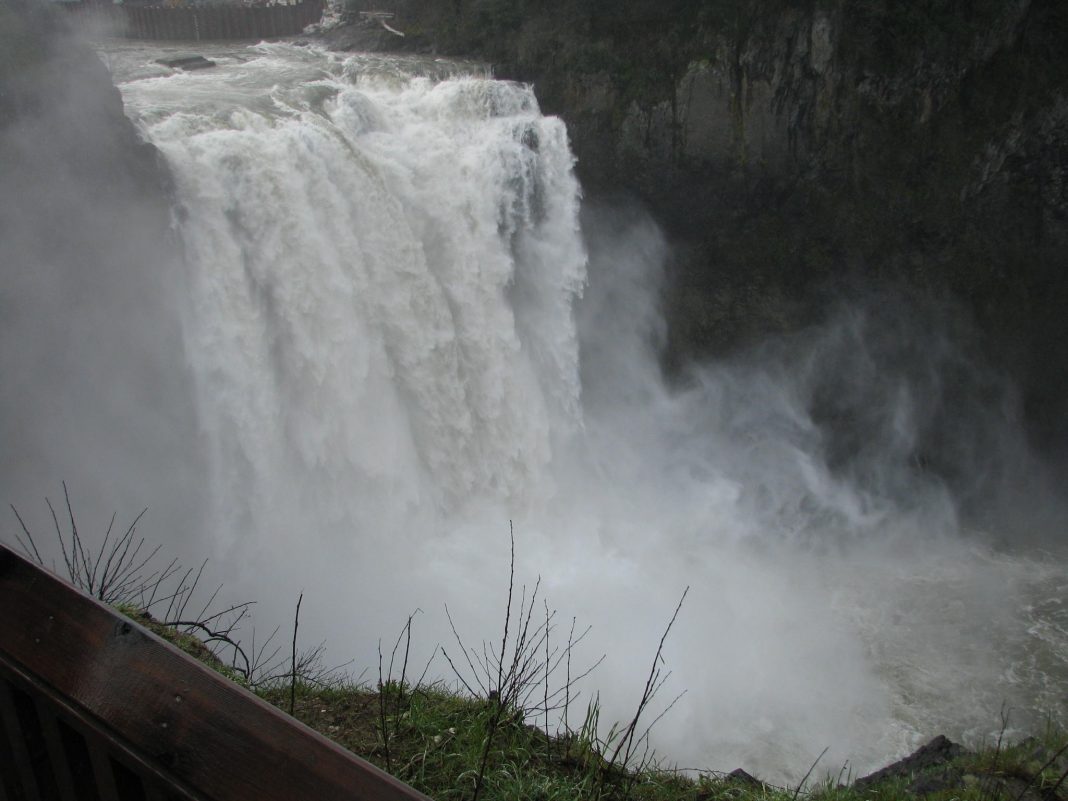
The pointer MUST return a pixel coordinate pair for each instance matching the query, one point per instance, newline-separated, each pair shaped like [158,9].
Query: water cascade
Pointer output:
[406,331]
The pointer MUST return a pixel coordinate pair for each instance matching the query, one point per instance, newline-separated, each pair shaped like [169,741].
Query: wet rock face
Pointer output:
[51,80]
[792,150]
[942,766]
[937,753]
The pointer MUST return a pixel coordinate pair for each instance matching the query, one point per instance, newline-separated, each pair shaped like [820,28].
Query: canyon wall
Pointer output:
[799,153]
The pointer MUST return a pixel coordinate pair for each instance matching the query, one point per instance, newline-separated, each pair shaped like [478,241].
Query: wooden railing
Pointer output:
[94,706]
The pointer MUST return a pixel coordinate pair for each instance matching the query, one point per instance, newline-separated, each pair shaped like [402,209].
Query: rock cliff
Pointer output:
[797,150]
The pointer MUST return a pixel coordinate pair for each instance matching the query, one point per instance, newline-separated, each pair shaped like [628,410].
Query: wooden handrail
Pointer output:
[93,705]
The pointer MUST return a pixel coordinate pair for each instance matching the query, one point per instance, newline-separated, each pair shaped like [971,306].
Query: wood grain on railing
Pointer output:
[94,706]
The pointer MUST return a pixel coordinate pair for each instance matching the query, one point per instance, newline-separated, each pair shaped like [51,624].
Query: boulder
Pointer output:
[940,751]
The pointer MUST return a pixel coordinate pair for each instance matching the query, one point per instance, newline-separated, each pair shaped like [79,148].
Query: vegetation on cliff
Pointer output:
[510,728]
[452,743]
[445,742]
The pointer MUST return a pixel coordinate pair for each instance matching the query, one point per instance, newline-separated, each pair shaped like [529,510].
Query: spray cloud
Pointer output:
[398,332]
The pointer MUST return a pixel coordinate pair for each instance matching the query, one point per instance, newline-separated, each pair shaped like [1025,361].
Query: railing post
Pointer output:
[12,730]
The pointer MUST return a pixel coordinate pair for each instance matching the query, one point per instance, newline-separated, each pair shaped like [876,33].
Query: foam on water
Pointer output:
[385,323]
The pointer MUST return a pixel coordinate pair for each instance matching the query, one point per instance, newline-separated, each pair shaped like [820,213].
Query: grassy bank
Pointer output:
[510,728]
[452,744]
[435,739]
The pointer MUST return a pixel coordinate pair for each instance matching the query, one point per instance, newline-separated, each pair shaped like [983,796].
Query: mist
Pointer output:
[378,326]
[95,382]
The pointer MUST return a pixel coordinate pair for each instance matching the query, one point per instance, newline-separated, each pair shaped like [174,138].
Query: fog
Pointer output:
[95,388]
[378,327]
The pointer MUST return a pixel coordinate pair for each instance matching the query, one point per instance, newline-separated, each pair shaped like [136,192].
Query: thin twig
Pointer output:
[29,537]
[804,779]
[383,722]
[507,608]
[103,547]
[545,707]
[651,685]
[426,667]
[1039,772]
[293,674]
[62,544]
[460,642]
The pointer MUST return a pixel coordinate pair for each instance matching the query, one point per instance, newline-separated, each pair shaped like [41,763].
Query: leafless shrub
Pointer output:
[510,676]
[627,742]
[121,572]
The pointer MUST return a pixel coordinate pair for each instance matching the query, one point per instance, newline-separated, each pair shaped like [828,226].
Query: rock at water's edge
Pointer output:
[939,751]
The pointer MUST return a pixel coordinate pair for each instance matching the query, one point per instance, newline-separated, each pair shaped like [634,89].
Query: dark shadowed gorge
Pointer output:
[796,152]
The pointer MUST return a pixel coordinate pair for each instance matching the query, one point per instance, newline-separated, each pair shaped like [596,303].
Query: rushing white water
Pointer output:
[384,275]
[385,323]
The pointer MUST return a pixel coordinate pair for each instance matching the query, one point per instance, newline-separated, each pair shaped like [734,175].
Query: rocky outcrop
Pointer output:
[1026,771]
[52,82]
[938,753]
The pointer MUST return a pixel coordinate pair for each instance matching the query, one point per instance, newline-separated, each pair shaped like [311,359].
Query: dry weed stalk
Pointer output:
[119,572]
[510,677]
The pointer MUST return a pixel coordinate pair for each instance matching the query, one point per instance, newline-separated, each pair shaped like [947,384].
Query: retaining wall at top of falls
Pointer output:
[202,22]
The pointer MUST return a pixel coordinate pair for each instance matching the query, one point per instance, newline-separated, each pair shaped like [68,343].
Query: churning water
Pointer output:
[406,330]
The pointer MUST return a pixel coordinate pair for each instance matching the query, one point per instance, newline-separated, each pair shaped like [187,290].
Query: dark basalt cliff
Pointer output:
[798,151]
[794,152]
[52,82]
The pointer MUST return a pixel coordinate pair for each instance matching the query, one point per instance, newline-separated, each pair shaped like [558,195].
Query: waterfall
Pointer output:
[383,274]
[391,281]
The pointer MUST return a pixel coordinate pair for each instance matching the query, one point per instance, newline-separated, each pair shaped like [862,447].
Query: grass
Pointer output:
[475,739]
[438,738]
[1037,764]
[435,737]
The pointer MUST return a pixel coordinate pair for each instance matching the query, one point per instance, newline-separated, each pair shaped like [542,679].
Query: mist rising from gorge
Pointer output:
[385,324]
